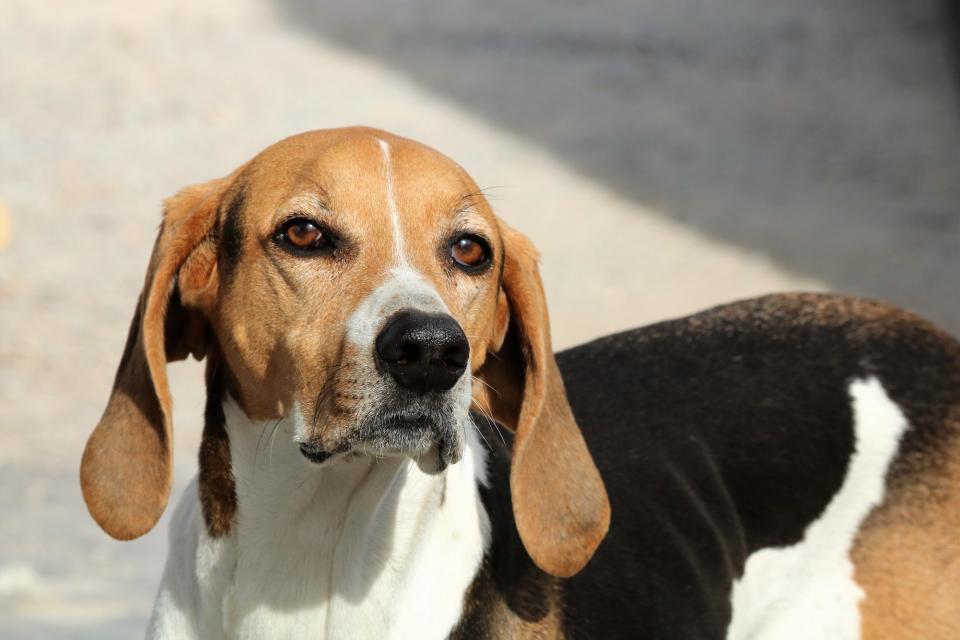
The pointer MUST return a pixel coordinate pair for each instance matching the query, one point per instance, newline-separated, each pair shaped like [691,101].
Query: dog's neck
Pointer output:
[355,547]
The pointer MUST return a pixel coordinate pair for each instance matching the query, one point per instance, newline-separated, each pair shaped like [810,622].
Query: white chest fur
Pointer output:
[354,548]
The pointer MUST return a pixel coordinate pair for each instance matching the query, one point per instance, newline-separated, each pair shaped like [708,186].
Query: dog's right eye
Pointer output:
[302,235]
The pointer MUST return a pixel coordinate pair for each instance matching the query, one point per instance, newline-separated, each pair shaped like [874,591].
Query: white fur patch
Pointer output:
[198,571]
[403,288]
[400,253]
[358,547]
[808,590]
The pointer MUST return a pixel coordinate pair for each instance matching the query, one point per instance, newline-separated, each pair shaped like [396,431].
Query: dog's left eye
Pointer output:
[471,253]
[302,234]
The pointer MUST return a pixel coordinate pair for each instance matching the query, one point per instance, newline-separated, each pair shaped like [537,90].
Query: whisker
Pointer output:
[260,439]
[487,385]
[480,433]
[273,435]
[469,200]
[485,412]
[256,450]
[493,354]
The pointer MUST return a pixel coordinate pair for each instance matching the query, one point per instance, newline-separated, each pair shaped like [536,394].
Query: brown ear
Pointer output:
[559,502]
[125,472]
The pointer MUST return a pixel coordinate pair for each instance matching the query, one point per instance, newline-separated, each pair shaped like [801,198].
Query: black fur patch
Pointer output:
[231,236]
[717,435]
[216,484]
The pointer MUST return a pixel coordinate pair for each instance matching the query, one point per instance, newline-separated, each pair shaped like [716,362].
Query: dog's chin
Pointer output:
[434,444]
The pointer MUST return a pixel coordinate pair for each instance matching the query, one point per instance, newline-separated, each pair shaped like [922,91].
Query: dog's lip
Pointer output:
[314,453]
[409,423]
[422,434]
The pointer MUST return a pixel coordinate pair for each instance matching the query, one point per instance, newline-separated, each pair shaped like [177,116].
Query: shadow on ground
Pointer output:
[822,134]
[951,14]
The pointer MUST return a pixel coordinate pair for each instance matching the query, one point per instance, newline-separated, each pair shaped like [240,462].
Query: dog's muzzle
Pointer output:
[421,357]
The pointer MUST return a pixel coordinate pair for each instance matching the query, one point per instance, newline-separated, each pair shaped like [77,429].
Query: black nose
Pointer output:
[423,352]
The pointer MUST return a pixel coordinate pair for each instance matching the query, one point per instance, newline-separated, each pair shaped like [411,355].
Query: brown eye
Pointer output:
[470,252]
[301,234]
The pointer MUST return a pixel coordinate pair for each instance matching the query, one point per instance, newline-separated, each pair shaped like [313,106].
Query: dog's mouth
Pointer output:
[314,453]
[402,433]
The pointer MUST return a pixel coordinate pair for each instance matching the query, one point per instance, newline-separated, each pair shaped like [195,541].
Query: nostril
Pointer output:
[395,344]
[456,356]
[408,352]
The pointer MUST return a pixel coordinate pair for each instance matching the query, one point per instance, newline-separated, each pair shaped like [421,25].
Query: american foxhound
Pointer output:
[777,468]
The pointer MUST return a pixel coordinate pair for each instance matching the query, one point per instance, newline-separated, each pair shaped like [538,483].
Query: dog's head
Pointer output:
[360,283]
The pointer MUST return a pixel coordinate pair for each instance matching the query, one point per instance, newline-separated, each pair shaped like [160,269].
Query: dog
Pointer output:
[391,449]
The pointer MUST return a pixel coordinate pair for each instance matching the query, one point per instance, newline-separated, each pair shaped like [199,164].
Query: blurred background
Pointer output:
[665,155]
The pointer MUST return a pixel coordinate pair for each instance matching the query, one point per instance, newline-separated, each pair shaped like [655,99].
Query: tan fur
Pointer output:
[278,322]
[907,556]
[520,611]
[509,625]
[504,621]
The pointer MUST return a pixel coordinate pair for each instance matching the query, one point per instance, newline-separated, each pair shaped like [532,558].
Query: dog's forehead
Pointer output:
[354,170]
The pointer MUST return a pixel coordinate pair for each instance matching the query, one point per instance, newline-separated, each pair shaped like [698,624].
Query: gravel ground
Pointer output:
[664,156]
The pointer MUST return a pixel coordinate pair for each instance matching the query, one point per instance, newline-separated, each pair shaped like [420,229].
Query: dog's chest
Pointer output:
[367,549]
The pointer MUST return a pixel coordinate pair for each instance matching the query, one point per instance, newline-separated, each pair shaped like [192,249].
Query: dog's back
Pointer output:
[781,467]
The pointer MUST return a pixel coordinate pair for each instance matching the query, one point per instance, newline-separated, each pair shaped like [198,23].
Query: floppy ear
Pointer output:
[559,502]
[125,473]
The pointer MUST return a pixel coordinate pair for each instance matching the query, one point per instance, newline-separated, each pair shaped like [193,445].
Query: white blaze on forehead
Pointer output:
[399,251]
[807,590]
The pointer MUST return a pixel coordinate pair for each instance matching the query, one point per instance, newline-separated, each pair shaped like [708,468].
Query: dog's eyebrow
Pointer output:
[308,203]
[323,198]
[467,202]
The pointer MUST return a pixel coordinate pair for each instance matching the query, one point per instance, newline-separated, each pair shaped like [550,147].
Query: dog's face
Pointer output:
[358,286]
[359,282]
